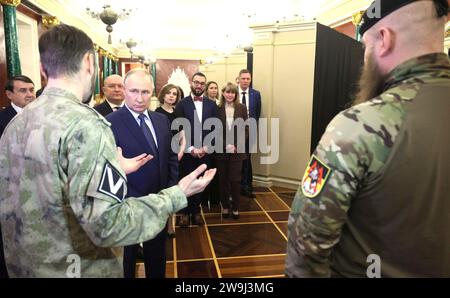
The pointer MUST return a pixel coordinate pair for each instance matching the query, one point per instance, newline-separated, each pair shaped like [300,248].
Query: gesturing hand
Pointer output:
[130,165]
[192,185]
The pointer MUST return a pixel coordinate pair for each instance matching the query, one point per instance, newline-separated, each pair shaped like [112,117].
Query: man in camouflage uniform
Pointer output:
[376,191]
[62,184]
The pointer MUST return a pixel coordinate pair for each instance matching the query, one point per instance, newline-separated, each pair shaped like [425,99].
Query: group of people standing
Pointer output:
[138,130]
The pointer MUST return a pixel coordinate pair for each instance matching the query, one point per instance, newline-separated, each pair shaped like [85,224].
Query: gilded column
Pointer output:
[116,65]
[97,77]
[105,65]
[356,20]
[50,21]
[110,64]
[11,41]
[153,72]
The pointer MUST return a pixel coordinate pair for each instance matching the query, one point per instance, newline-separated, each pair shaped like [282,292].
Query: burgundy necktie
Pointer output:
[198,98]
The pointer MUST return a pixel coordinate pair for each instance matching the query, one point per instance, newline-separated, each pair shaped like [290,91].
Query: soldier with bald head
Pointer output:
[114,95]
[374,199]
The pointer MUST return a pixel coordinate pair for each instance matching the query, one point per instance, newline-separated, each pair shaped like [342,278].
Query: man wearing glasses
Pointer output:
[196,109]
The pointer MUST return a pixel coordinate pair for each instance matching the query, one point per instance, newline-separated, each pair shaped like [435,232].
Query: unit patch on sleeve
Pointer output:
[112,183]
[315,177]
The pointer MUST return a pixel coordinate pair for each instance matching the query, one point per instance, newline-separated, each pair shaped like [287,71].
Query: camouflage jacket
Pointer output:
[378,183]
[62,203]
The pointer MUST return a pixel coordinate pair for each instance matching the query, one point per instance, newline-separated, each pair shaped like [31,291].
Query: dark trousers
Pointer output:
[3,270]
[187,165]
[212,193]
[247,174]
[230,182]
[154,257]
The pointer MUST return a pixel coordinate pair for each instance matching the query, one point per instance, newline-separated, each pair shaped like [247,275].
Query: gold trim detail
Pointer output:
[357,17]
[14,3]
[50,21]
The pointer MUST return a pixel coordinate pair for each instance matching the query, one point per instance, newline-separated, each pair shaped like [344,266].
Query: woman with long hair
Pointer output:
[229,162]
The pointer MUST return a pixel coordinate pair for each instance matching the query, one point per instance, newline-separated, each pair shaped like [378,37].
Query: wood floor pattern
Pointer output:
[252,246]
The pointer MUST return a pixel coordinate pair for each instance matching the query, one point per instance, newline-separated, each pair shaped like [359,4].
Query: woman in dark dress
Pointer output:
[168,98]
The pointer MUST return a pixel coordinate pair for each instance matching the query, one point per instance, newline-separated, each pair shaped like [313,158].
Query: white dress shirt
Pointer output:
[147,121]
[16,108]
[247,98]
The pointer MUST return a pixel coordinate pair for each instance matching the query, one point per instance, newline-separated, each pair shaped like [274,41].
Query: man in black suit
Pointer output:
[196,109]
[20,91]
[113,91]
[251,98]
[138,130]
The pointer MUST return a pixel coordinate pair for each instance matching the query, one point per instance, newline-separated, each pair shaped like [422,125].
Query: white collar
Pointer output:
[16,108]
[136,115]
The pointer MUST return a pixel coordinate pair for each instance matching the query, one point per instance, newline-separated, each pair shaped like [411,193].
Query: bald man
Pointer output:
[114,95]
[374,199]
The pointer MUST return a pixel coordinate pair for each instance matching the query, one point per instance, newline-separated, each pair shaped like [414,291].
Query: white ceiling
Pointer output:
[218,26]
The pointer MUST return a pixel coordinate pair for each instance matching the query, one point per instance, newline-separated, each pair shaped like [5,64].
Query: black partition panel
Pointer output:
[338,63]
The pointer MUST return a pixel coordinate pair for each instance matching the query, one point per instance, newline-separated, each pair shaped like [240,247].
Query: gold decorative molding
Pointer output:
[96,47]
[98,99]
[50,21]
[357,17]
[14,3]
[447,32]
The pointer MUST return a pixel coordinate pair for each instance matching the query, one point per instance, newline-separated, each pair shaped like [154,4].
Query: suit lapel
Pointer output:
[157,127]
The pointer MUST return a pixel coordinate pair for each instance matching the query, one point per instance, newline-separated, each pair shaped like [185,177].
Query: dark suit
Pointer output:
[5,117]
[254,110]
[186,109]
[230,164]
[159,173]
[104,108]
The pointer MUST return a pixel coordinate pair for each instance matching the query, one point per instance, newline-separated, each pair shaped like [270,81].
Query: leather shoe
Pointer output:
[197,220]
[184,220]
[248,194]
[225,213]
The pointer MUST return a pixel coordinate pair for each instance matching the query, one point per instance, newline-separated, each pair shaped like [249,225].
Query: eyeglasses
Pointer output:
[199,83]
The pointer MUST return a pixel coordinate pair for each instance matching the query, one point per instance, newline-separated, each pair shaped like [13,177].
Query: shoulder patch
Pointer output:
[112,183]
[315,177]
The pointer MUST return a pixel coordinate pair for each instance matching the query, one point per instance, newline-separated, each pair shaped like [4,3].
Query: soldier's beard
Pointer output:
[371,82]
[87,98]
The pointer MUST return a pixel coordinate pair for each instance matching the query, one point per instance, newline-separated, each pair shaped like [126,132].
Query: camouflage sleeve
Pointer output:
[320,206]
[96,188]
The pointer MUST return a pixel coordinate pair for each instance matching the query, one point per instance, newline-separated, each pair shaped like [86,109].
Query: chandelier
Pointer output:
[109,17]
[131,44]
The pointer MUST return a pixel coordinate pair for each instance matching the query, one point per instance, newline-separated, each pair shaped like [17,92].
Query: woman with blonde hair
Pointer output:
[229,162]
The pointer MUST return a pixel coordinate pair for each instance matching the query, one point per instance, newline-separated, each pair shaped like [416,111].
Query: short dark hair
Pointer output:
[10,82]
[200,74]
[62,48]
[244,71]
[165,90]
